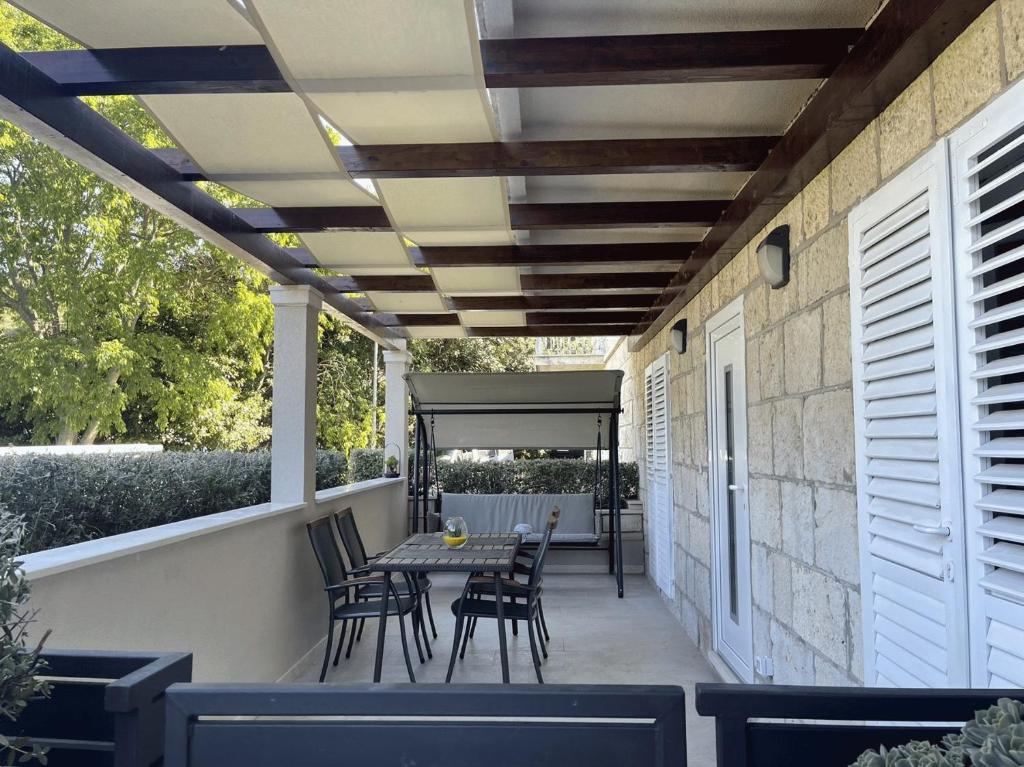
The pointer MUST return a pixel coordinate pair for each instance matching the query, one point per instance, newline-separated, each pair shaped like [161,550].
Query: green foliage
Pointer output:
[522,476]
[345,388]
[20,664]
[993,738]
[472,355]
[68,499]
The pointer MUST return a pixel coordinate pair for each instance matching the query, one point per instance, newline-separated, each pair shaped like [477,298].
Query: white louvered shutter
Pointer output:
[988,178]
[659,478]
[909,493]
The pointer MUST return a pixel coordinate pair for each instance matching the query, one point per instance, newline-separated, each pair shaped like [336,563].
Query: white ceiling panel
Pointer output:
[345,251]
[438,331]
[408,117]
[475,319]
[418,204]
[145,23]
[304,192]
[555,18]
[634,186]
[662,111]
[477,279]
[324,39]
[407,302]
[230,133]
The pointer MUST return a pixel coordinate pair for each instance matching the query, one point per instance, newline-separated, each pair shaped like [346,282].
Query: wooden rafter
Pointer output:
[531,331]
[553,255]
[618,300]
[514,63]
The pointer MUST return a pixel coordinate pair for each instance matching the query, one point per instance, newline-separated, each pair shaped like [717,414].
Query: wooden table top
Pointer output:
[483,552]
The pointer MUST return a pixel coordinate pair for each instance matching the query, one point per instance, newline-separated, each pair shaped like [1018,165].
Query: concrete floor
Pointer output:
[595,639]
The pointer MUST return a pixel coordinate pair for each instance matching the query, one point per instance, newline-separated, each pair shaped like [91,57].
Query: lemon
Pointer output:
[454,540]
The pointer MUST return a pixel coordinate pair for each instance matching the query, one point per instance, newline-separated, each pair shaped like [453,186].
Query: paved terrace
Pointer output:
[595,639]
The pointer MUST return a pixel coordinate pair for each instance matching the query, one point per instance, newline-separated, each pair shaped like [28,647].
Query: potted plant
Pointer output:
[20,661]
[391,466]
[993,738]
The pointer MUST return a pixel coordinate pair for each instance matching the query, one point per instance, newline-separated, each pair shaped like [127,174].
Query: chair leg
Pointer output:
[341,641]
[405,646]
[359,636]
[543,623]
[416,621]
[430,615]
[459,625]
[423,629]
[351,640]
[515,623]
[540,637]
[327,650]
[533,651]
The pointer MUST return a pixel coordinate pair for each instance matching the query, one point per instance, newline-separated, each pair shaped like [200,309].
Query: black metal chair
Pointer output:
[523,566]
[348,531]
[473,605]
[342,601]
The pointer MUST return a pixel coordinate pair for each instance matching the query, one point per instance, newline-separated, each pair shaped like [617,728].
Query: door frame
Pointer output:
[728,319]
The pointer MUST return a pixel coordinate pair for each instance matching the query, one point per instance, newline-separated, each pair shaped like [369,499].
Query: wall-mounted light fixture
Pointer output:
[773,257]
[677,337]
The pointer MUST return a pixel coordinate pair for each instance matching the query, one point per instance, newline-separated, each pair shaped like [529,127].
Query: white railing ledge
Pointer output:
[341,491]
[53,561]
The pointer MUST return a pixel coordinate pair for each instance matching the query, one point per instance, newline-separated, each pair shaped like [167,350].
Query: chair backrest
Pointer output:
[537,568]
[430,725]
[775,738]
[350,538]
[325,546]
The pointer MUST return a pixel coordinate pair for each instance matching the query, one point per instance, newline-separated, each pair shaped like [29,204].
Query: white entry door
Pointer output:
[659,476]
[727,442]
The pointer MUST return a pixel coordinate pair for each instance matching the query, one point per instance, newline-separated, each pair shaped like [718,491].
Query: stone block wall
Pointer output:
[803,512]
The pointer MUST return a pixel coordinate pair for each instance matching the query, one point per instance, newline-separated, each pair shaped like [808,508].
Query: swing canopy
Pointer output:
[564,410]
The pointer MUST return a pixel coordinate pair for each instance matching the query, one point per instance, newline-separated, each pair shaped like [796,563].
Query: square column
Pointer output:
[293,425]
[396,405]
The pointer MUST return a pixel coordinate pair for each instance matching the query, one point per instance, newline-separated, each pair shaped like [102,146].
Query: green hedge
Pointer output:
[524,476]
[69,499]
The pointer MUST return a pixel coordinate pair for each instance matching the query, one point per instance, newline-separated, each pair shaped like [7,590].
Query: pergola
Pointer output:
[452,168]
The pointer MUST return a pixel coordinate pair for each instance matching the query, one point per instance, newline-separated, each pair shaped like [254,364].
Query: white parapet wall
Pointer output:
[241,590]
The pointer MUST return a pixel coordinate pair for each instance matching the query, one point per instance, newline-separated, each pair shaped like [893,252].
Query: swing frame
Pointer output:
[425,453]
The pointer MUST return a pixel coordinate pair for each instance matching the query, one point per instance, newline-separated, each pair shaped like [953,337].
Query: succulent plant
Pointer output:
[916,753]
[1004,748]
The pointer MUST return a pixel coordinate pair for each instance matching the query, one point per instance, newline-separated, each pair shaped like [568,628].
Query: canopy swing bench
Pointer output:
[491,411]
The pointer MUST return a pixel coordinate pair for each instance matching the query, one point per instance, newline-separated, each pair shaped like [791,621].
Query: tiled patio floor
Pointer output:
[595,639]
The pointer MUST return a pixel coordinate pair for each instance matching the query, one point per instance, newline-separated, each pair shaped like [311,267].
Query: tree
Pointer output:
[117,319]
[472,355]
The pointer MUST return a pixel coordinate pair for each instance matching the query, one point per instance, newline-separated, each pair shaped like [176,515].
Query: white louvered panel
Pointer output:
[900,305]
[659,481]
[988,227]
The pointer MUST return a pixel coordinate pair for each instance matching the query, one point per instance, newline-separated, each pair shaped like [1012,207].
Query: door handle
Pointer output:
[737,488]
[942,530]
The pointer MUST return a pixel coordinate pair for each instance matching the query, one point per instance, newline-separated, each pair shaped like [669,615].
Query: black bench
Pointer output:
[855,719]
[106,708]
[424,725]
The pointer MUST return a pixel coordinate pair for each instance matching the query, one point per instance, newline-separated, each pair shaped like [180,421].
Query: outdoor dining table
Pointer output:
[426,552]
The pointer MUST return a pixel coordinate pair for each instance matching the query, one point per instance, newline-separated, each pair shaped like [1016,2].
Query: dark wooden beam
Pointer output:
[674,58]
[542,158]
[418,320]
[33,101]
[302,220]
[402,283]
[181,162]
[595,281]
[138,71]
[622,300]
[599,215]
[554,255]
[901,42]
[583,318]
[611,215]
[548,330]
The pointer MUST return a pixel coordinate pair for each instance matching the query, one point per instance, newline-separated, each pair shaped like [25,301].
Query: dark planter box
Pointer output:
[106,708]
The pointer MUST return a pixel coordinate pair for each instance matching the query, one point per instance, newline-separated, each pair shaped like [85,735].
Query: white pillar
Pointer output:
[293,430]
[396,405]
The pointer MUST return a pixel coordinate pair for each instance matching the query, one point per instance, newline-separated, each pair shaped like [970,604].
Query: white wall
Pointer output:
[241,590]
